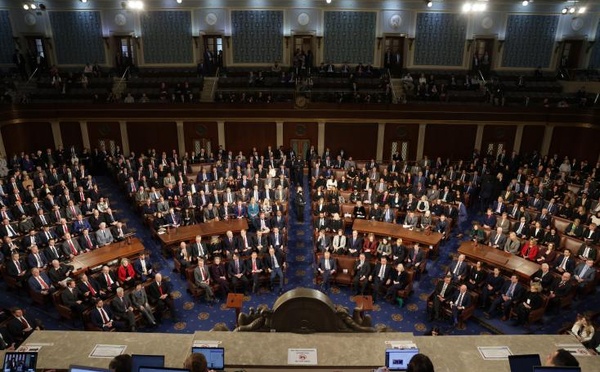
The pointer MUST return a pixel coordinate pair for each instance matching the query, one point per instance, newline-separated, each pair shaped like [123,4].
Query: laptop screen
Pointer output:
[215,356]
[86,369]
[19,362]
[523,363]
[556,369]
[158,369]
[138,361]
[398,359]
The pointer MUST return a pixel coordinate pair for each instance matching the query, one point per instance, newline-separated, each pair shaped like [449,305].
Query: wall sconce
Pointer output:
[558,45]
[196,40]
[500,45]
[469,44]
[227,40]
[379,39]
[411,40]
[590,44]
[287,41]
[106,41]
[319,38]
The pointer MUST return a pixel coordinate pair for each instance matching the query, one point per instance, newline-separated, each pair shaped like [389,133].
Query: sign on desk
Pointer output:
[107,351]
[305,357]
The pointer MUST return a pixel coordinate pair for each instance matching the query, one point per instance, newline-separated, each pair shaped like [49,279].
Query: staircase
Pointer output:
[398,93]
[209,88]
[119,87]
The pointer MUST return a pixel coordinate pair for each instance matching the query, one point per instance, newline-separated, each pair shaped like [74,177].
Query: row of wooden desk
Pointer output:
[128,248]
[499,258]
[176,235]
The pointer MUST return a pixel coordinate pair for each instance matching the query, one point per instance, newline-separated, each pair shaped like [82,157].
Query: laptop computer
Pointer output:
[19,362]
[138,360]
[398,359]
[74,368]
[524,362]
[158,369]
[556,369]
[215,356]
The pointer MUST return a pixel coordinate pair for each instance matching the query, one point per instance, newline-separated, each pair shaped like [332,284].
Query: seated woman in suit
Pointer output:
[384,249]
[370,247]
[547,255]
[530,250]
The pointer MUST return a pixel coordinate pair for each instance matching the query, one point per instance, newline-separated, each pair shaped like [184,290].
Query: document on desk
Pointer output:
[305,357]
[204,343]
[494,352]
[575,349]
[107,351]
[405,344]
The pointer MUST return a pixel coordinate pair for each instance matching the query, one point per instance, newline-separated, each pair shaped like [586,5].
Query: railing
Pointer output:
[214,86]
[394,98]
[121,79]
[32,75]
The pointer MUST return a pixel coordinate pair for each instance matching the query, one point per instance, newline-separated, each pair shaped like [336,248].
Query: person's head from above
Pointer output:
[561,358]
[196,362]
[120,363]
[420,363]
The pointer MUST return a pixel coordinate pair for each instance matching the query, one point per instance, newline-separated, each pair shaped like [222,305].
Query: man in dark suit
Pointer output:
[17,268]
[218,274]
[158,294]
[492,286]
[71,297]
[198,249]
[90,290]
[564,262]
[560,289]
[362,270]
[20,327]
[380,277]
[460,301]
[544,277]
[52,252]
[458,269]
[355,243]
[415,257]
[255,268]
[143,267]
[327,267]
[442,295]
[591,234]
[107,280]
[521,228]
[102,317]
[274,265]
[36,259]
[122,309]
[236,271]
[510,294]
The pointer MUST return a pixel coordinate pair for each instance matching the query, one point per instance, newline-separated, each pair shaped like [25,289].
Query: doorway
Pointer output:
[125,55]
[302,54]
[37,54]
[393,54]
[482,55]
[571,53]
[213,53]
[300,146]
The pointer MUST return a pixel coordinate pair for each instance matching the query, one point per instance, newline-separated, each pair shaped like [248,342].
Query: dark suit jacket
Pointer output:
[269,262]
[466,300]
[449,294]
[570,266]
[154,293]
[332,264]
[96,318]
[518,292]
[70,298]
[119,307]
[386,272]
[102,280]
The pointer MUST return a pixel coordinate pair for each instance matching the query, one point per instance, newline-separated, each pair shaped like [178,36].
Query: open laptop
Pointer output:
[19,362]
[86,369]
[524,362]
[556,369]
[398,359]
[215,356]
[138,360]
[158,369]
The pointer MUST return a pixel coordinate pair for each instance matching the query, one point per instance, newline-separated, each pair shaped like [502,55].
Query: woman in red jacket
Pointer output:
[126,273]
[530,250]
[370,247]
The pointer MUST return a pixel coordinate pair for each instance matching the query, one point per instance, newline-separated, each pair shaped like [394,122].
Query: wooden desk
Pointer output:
[174,236]
[363,303]
[397,231]
[503,260]
[108,253]
[235,301]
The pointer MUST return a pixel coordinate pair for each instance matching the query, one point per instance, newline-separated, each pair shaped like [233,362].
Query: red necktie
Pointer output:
[73,250]
[92,291]
[42,282]
[104,315]
[160,288]
[108,280]
[24,322]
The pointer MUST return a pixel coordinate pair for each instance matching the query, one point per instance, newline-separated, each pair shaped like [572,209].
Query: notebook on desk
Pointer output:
[524,362]
[215,357]
[398,359]
[19,362]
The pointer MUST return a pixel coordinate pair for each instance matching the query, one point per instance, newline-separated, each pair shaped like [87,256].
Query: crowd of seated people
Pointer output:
[52,212]
[171,193]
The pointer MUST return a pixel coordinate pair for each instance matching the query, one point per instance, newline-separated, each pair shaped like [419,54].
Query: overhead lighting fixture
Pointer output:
[26,6]
[429,3]
[525,2]
[179,1]
[475,7]
[134,5]
[582,10]
[83,1]
[328,1]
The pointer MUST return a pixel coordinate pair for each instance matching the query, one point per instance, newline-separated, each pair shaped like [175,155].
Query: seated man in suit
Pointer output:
[411,220]
[442,295]
[104,236]
[510,294]
[59,273]
[497,239]
[544,277]
[158,294]
[143,267]
[218,274]
[512,244]
[39,282]
[415,257]
[355,243]
[275,264]
[323,243]
[521,229]
[327,267]
[362,270]
[71,298]
[458,269]
[255,268]
[380,277]
[87,241]
[107,280]
[460,301]
[564,262]
[90,290]
[123,310]
[202,279]
[52,252]
[492,286]
[36,259]
[560,289]
[587,251]
[584,273]
[102,317]
[20,327]
[236,271]
[71,247]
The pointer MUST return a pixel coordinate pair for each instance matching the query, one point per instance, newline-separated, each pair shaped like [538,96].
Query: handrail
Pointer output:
[122,78]
[481,75]
[32,75]
[214,87]
[394,98]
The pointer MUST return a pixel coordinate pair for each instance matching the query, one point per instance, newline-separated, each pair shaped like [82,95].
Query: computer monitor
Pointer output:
[215,356]
[138,361]
[86,369]
[556,369]
[524,362]
[398,359]
[21,362]
[158,369]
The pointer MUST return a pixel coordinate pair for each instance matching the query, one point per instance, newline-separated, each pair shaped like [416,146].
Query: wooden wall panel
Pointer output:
[241,136]
[533,136]
[70,131]
[449,141]
[161,136]
[300,131]
[357,140]
[195,130]
[104,130]
[499,134]
[400,133]
[27,137]
[575,142]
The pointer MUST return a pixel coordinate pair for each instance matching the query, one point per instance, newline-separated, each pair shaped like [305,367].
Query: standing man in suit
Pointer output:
[380,277]
[460,301]
[444,292]
[123,310]
[300,203]
[510,294]
[327,267]
[274,265]
[362,269]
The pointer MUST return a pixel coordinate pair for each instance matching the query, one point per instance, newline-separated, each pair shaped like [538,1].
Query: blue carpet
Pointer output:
[198,316]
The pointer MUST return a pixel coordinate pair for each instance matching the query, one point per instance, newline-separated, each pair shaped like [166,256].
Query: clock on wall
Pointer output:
[120,19]
[303,19]
[30,19]
[395,21]
[211,19]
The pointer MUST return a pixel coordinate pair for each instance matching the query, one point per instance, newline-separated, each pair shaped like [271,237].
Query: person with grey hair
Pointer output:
[122,309]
